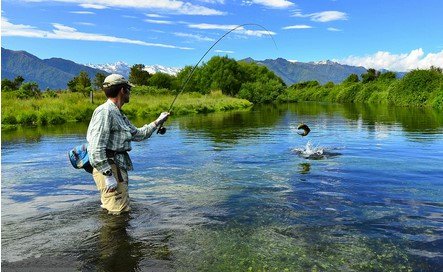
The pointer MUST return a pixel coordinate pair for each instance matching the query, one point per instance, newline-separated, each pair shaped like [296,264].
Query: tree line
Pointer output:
[258,84]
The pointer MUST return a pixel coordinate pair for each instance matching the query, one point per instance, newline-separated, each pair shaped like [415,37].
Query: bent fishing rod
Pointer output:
[162,129]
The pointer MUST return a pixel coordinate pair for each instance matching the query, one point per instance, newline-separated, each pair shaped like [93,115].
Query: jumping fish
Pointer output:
[305,129]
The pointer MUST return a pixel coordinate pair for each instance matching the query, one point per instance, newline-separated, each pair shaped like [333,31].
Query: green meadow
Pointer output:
[62,107]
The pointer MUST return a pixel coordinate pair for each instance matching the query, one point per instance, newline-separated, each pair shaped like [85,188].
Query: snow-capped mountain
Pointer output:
[124,69]
[324,62]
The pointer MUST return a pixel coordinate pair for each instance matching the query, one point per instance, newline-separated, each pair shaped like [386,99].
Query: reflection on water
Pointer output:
[114,248]
[305,168]
[227,192]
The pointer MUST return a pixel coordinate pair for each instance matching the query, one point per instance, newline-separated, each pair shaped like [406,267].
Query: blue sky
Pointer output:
[392,34]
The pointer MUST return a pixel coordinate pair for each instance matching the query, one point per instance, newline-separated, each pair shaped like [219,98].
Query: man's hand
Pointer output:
[111,184]
[162,118]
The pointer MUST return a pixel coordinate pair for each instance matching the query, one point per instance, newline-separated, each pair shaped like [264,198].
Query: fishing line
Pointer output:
[161,129]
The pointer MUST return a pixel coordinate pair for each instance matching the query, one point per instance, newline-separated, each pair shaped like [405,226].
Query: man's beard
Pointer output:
[126,98]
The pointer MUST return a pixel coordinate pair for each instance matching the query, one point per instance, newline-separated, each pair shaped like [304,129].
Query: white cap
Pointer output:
[115,79]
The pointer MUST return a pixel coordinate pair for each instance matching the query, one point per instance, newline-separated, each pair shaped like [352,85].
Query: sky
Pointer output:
[398,35]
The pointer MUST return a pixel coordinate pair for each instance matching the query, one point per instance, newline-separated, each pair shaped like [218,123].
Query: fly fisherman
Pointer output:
[109,136]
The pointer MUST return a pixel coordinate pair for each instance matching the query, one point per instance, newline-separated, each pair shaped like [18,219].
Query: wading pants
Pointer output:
[114,202]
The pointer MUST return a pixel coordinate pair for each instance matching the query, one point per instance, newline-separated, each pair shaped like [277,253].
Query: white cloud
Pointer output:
[213,1]
[166,6]
[160,22]
[272,3]
[62,32]
[152,15]
[297,27]
[224,51]
[82,12]
[194,36]
[334,29]
[93,6]
[397,62]
[212,26]
[240,30]
[85,23]
[324,16]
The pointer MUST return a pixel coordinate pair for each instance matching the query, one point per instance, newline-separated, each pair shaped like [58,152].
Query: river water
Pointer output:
[237,191]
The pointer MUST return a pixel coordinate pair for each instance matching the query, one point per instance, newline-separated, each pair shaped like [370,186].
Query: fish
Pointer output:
[305,129]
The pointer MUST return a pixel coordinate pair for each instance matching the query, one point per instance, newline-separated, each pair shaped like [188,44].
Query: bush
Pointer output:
[348,94]
[416,88]
[9,119]
[27,118]
[28,90]
[261,92]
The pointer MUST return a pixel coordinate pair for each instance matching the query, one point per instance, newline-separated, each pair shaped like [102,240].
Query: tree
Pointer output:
[98,80]
[221,73]
[8,85]
[193,84]
[371,75]
[161,80]
[28,90]
[138,75]
[81,84]
[387,76]
[352,78]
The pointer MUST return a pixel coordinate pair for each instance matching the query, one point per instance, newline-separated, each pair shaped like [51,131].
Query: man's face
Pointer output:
[126,94]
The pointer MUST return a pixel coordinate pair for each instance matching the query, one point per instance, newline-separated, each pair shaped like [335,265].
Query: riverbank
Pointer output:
[418,88]
[63,107]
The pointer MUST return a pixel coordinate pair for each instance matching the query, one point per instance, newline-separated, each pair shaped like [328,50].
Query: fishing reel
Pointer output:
[161,130]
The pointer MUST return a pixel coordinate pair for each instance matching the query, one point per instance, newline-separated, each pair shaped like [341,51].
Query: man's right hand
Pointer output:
[162,118]
[111,184]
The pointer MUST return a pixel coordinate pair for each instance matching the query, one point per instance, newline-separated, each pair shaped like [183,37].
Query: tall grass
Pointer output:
[74,107]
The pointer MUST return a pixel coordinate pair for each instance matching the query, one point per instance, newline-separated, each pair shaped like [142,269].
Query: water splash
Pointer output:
[314,152]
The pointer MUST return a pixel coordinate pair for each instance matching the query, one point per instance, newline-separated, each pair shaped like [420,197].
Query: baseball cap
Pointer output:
[115,79]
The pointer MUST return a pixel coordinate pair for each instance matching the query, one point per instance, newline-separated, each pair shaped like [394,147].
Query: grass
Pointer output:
[74,107]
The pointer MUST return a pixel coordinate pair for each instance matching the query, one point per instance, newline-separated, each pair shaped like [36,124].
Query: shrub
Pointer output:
[9,119]
[27,118]
[348,94]
[416,88]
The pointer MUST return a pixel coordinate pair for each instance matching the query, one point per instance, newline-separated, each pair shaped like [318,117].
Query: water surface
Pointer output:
[233,191]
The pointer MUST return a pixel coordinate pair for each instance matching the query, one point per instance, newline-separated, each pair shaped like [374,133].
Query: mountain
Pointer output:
[113,68]
[124,69]
[324,71]
[54,73]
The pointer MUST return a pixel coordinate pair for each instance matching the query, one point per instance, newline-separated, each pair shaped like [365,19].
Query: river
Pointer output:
[237,191]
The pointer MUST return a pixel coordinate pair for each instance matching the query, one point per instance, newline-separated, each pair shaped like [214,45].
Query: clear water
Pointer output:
[238,191]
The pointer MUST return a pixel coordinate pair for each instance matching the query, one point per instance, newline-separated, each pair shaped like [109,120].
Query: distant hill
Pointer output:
[323,72]
[54,73]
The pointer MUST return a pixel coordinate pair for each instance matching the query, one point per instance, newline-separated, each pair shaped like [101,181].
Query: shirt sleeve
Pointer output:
[98,137]
[140,134]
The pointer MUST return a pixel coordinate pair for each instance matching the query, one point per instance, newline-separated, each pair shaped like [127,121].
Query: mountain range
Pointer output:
[124,69]
[55,73]
[292,72]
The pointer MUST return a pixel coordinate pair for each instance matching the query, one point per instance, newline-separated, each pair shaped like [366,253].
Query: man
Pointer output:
[109,136]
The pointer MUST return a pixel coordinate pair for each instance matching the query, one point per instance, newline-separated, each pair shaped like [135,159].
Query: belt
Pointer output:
[110,154]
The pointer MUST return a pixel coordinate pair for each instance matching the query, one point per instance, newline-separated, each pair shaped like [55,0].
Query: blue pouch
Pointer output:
[79,158]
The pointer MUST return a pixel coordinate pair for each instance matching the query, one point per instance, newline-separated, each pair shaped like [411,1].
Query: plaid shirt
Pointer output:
[110,129]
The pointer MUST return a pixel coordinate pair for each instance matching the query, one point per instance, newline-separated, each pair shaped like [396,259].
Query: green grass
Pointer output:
[74,107]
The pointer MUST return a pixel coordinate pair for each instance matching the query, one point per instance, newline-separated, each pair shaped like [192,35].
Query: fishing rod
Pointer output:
[162,129]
